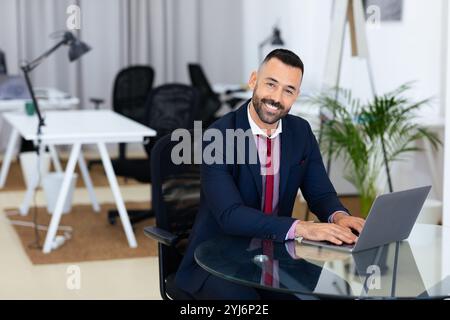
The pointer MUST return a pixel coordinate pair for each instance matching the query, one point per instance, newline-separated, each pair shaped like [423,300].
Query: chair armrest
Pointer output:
[230,91]
[162,236]
[97,102]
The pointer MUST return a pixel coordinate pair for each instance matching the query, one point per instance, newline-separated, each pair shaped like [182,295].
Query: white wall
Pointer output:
[409,50]
[304,28]
[400,52]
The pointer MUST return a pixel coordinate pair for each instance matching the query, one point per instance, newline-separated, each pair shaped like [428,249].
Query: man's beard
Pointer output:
[268,117]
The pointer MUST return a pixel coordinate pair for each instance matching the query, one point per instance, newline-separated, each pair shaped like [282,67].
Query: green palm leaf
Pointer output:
[357,132]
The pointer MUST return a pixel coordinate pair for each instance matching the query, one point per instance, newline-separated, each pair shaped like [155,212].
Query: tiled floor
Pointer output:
[115,279]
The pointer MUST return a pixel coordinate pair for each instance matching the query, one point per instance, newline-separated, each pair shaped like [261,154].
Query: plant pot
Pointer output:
[431,212]
[52,185]
[366,204]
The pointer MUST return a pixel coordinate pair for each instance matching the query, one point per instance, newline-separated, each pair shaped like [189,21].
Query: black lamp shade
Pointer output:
[276,40]
[76,49]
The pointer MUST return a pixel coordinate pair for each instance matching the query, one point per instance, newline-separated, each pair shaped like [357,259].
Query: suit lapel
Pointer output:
[255,168]
[285,161]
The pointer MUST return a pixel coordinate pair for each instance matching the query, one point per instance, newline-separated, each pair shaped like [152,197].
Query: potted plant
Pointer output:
[369,136]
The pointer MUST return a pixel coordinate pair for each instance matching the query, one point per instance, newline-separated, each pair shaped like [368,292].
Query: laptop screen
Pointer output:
[13,87]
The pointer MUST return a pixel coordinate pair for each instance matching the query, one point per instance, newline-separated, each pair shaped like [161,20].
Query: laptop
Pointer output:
[13,87]
[390,219]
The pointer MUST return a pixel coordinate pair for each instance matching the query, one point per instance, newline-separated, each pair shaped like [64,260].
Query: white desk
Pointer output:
[65,103]
[76,128]
[221,88]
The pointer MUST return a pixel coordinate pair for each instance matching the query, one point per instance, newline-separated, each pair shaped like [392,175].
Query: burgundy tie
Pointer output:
[268,196]
[268,199]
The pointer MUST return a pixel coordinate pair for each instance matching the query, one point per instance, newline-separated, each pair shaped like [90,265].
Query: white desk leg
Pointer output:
[56,217]
[88,182]
[55,158]
[117,196]
[8,155]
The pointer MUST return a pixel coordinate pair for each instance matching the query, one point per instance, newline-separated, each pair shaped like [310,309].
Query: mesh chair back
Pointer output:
[170,107]
[131,88]
[210,102]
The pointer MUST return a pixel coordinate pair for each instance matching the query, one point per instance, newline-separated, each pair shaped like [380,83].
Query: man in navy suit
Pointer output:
[255,199]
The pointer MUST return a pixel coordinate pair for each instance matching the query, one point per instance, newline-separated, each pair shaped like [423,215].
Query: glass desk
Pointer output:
[418,268]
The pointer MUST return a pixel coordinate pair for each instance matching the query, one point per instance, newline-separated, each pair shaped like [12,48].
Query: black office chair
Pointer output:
[3,68]
[210,101]
[131,88]
[176,199]
[169,107]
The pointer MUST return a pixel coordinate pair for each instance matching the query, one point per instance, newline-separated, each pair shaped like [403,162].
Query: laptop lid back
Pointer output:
[392,217]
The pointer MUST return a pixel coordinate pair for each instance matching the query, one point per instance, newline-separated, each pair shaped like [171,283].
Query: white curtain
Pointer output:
[165,34]
[171,42]
[36,22]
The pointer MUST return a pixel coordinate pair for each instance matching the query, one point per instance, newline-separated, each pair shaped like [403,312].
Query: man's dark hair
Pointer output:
[287,57]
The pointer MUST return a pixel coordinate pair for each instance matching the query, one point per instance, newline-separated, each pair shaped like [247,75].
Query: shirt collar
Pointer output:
[258,131]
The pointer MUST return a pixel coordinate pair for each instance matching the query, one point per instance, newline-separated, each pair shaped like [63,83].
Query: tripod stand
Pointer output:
[351,11]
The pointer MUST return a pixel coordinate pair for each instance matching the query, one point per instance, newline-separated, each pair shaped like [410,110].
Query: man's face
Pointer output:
[276,86]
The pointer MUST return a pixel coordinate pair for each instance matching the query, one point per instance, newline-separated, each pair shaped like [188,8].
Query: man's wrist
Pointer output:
[336,216]
[300,229]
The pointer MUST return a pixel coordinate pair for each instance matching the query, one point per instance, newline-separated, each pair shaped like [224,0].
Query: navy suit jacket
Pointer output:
[230,201]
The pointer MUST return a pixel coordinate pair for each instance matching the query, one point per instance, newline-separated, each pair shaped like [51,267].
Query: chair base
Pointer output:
[172,292]
[93,162]
[134,215]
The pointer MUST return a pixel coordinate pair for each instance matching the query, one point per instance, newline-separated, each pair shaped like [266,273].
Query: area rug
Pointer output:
[92,239]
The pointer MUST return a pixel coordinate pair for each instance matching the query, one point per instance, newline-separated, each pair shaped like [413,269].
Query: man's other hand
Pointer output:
[347,221]
[331,232]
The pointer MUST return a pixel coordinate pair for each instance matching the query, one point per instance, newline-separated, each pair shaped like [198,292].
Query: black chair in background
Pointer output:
[3,68]
[169,107]
[131,88]
[176,199]
[210,101]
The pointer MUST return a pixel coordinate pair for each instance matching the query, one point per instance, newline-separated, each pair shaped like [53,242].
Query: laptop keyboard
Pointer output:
[345,245]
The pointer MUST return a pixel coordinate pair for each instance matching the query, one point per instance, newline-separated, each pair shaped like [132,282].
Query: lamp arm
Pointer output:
[266,41]
[30,66]
[261,46]
[33,97]
[33,64]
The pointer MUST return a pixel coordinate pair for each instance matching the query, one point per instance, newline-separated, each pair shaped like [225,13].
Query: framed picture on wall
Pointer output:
[390,10]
